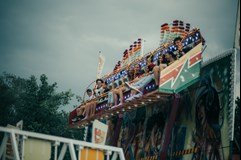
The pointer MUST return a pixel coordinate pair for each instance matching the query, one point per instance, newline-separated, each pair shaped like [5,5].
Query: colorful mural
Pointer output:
[211,106]
[201,131]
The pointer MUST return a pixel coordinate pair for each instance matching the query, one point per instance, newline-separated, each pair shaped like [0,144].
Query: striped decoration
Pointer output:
[132,54]
[184,152]
[150,158]
[176,29]
[175,154]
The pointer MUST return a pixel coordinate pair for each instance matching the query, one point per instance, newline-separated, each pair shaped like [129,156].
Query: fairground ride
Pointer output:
[176,77]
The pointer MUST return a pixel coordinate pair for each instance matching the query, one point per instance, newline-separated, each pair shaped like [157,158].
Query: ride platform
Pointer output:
[184,72]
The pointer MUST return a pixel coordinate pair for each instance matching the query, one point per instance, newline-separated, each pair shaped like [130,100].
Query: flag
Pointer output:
[237,32]
[100,65]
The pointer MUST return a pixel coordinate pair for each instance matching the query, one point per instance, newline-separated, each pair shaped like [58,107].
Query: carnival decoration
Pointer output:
[150,124]
[99,132]
[132,54]
[170,31]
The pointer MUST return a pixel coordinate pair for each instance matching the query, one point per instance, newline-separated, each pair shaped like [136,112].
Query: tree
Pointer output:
[37,104]
[11,88]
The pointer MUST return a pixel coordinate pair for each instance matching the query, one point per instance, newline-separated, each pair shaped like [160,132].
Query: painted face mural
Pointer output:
[202,126]
[207,134]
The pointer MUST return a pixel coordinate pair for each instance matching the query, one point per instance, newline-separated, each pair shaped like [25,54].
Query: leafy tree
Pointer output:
[37,104]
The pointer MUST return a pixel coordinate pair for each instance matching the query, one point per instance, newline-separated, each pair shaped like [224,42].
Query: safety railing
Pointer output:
[76,147]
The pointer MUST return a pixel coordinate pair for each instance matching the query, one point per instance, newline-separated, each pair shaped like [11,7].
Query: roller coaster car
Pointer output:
[178,76]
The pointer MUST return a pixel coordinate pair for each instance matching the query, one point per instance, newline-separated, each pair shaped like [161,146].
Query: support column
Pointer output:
[56,144]
[122,156]
[3,145]
[62,152]
[169,126]
[23,146]
[15,146]
[118,130]
[114,157]
[80,148]
[72,151]
[108,154]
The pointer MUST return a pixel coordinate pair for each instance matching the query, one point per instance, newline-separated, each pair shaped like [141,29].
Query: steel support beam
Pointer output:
[62,152]
[72,151]
[15,146]
[3,144]
[169,126]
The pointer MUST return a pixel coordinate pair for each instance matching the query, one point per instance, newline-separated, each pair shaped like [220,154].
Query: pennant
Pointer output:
[100,65]
[237,32]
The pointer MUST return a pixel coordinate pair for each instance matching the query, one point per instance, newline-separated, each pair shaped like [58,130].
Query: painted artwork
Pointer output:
[204,112]
[99,133]
[140,132]
[201,129]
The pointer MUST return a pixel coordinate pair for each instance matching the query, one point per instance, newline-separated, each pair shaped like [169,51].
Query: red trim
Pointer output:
[172,75]
[194,59]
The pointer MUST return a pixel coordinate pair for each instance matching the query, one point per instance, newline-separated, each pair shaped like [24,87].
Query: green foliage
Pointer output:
[37,103]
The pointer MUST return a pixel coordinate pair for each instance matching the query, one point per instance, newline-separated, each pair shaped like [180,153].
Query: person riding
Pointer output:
[181,50]
[162,64]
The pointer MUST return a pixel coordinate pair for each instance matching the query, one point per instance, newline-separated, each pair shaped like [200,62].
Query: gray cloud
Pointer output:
[62,38]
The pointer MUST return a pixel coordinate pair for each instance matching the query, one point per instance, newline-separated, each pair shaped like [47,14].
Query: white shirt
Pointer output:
[90,97]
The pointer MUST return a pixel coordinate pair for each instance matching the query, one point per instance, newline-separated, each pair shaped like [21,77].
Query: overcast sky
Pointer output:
[62,38]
